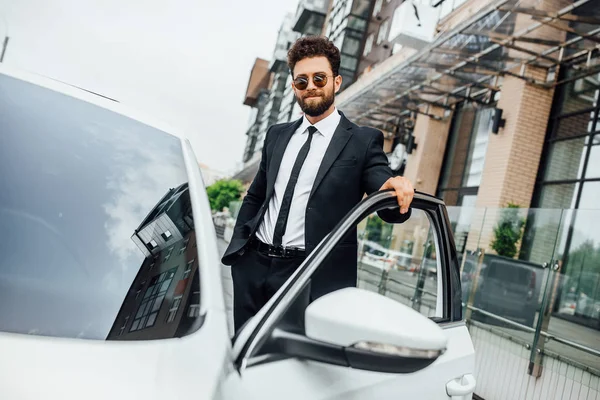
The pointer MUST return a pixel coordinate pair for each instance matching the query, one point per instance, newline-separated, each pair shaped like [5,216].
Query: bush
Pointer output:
[223,192]
[508,232]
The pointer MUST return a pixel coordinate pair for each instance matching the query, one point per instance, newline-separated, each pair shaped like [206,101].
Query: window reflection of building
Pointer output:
[569,178]
[164,299]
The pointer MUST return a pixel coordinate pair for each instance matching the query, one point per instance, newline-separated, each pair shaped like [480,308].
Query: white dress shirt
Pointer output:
[294,233]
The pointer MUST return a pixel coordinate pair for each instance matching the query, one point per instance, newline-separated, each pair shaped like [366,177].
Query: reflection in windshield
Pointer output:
[94,206]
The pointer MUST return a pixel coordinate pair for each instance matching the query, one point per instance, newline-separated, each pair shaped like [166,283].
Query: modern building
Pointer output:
[346,26]
[265,94]
[500,105]
[309,20]
[164,298]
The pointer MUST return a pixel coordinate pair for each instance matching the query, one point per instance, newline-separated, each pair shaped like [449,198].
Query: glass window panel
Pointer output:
[457,150]
[100,160]
[147,309]
[580,94]
[558,196]
[135,325]
[351,46]
[141,310]
[151,320]
[348,62]
[579,291]
[565,159]
[575,125]
[356,23]
[593,164]
[590,197]
[478,148]
[157,303]
[148,292]
[400,261]
[165,286]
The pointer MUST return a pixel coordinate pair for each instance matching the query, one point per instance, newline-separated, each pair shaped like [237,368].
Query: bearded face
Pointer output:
[315,102]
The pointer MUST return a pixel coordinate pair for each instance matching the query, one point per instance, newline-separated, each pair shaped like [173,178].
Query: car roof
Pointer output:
[90,97]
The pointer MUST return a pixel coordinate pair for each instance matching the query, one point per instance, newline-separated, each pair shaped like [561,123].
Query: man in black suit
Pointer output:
[312,173]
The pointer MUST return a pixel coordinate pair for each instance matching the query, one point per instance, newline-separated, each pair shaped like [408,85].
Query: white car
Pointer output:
[111,285]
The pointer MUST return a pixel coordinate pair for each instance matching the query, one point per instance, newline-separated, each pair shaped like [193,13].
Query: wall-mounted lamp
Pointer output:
[410,144]
[497,121]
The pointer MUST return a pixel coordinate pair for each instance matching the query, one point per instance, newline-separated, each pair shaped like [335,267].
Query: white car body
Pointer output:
[208,364]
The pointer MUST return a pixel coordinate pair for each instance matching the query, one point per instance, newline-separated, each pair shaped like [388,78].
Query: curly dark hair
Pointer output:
[314,46]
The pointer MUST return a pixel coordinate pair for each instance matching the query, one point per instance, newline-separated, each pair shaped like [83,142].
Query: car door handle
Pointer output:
[461,386]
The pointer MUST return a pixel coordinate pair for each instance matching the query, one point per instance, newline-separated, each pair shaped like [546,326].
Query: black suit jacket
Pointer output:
[354,164]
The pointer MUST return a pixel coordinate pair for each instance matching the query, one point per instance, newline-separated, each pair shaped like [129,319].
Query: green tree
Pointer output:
[508,232]
[223,192]
[374,228]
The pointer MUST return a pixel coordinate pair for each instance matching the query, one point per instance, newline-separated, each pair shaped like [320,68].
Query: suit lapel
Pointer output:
[340,137]
[283,138]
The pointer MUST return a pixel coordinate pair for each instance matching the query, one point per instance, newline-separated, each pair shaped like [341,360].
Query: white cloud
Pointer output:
[184,61]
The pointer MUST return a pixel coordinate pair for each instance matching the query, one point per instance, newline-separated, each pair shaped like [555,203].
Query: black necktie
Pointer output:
[284,210]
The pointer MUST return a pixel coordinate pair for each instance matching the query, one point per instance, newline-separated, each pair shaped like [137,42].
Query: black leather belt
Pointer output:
[276,251]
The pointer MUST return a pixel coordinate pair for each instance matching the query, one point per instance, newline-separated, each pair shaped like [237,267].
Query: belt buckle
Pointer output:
[272,251]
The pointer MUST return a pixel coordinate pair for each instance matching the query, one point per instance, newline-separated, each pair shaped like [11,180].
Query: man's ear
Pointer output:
[338,83]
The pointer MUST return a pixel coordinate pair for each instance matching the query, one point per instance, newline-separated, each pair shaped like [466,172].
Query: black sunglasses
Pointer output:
[320,80]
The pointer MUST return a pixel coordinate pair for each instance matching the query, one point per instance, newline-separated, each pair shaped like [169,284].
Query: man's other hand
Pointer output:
[404,191]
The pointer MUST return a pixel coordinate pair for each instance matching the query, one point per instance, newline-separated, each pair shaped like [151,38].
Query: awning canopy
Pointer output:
[469,61]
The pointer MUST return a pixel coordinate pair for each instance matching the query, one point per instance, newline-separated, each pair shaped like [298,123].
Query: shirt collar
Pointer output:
[326,126]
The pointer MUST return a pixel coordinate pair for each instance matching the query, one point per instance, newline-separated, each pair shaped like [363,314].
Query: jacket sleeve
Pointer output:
[376,169]
[376,172]
[256,194]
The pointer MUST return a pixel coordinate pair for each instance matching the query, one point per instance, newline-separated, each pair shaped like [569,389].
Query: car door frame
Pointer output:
[256,333]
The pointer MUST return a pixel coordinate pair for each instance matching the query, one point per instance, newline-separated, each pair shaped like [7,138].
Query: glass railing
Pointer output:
[533,275]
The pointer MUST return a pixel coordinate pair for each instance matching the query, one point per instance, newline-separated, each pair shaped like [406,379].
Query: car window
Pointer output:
[96,227]
[405,266]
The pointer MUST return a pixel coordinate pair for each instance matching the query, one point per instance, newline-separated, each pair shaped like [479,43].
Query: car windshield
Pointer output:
[96,228]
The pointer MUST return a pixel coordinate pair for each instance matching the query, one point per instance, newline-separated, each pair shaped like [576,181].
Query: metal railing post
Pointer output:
[382,288]
[470,302]
[536,358]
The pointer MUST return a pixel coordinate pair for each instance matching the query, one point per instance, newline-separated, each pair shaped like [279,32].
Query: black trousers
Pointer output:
[256,278]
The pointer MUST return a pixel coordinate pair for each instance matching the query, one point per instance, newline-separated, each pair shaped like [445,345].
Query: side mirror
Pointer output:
[360,329]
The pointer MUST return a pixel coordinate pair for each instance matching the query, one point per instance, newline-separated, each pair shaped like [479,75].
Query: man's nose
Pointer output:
[311,84]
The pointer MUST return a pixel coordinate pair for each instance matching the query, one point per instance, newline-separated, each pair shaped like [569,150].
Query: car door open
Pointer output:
[399,332]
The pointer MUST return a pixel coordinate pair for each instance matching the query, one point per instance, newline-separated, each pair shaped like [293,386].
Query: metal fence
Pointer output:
[531,293]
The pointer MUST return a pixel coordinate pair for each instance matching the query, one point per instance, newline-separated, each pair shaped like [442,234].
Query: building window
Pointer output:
[188,270]
[569,178]
[369,45]
[183,246]
[465,155]
[571,161]
[148,310]
[383,31]
[168,255]
[152,244]
[173,310]
[167,235]
[194,311]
